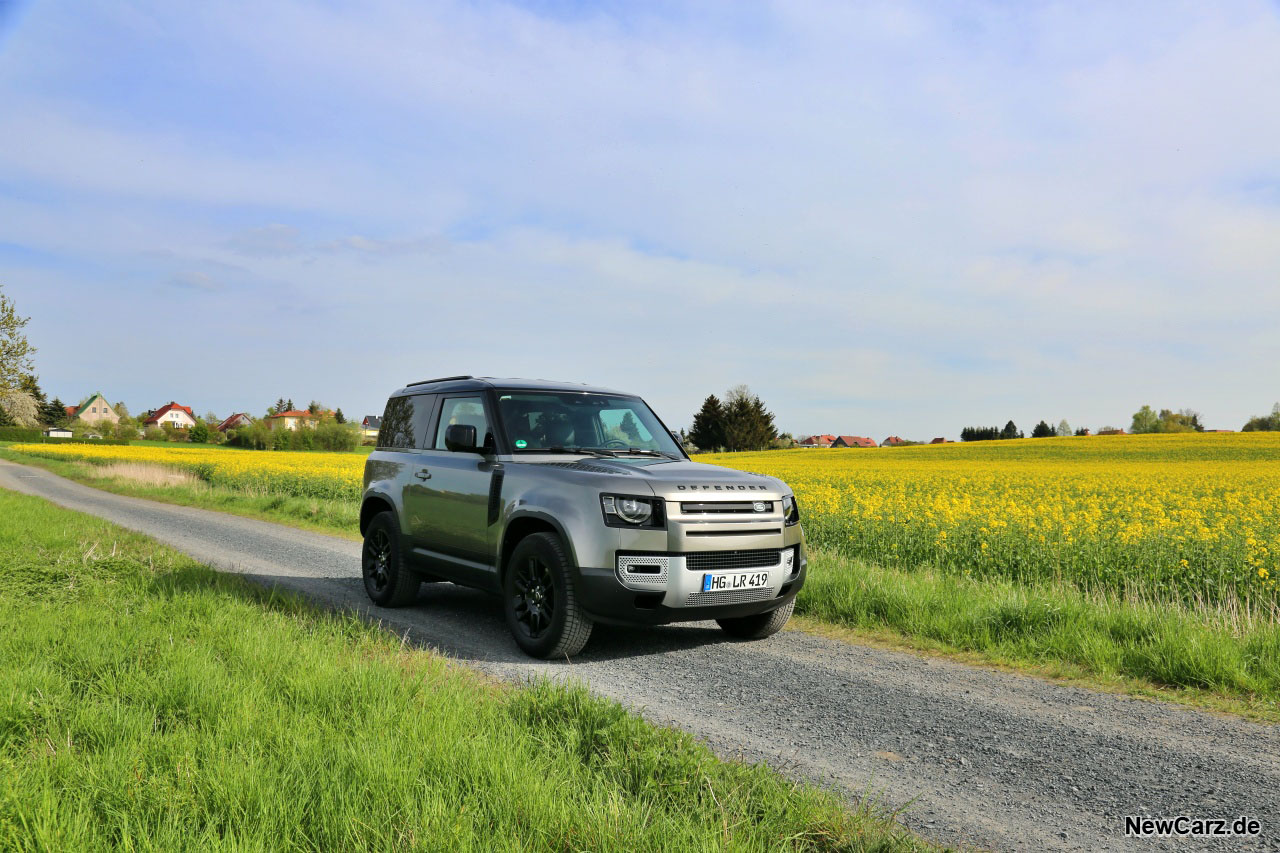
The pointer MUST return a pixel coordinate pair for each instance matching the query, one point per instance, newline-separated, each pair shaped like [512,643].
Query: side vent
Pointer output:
[495,493]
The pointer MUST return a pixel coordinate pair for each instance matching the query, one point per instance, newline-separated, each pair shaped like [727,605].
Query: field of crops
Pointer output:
[1192,517]
[286,473]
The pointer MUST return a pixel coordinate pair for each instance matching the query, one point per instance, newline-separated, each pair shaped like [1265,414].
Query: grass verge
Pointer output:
[1145,648]
[335,517]
[150,703]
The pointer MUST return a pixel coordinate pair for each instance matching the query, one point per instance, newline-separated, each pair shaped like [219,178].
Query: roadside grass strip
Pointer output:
[1058,629]
[150,703]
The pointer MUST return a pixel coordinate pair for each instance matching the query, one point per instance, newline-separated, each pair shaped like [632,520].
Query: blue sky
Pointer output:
[886,218]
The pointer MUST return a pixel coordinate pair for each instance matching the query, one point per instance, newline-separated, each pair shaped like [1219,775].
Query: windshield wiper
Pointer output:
[646,451]
[586,451]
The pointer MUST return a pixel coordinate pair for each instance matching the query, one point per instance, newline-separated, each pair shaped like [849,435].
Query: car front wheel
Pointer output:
[540,601]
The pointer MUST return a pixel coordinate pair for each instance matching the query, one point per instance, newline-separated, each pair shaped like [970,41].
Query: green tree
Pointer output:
[1064,428]
[707,432]
[15,350]
[1265,423]
[199,434]
[630,428]
[748,424]
[1042,430]
[1010,431]
[338,417]
[1145,420]
[55,413]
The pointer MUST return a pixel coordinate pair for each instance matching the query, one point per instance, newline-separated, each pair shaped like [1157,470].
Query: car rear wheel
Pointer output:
[760,625]
[540,601]
[389,582]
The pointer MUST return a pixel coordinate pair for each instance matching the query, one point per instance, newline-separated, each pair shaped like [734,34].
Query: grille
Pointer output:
[736,596]
[710,561]
[714,507]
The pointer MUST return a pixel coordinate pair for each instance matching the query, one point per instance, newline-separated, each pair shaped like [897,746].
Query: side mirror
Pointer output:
[460,438]
[676,436]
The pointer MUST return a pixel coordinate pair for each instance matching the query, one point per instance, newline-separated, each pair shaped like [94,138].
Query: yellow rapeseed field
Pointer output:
[1185,516]
[294,474]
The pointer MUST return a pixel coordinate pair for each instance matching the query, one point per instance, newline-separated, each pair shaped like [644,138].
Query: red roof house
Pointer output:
[939,441]
[817,441]
[853,441]
[181,417]
[237,420]
[892,441]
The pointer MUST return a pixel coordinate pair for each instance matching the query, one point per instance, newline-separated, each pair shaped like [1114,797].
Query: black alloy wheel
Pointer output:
[387,580]
[540,601]
[535,596]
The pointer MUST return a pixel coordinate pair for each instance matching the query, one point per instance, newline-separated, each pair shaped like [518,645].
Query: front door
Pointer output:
[455,518]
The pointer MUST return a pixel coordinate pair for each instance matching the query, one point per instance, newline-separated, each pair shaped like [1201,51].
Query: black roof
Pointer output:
[481,383]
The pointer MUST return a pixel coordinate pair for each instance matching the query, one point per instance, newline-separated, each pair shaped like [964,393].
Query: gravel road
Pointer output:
[977,757]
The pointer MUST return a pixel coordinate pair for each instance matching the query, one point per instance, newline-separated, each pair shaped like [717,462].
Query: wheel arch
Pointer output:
[373,504]
[526,524]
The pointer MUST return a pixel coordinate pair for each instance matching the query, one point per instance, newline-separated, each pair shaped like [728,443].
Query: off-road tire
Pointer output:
[387,580]
[760,625]
[539,599]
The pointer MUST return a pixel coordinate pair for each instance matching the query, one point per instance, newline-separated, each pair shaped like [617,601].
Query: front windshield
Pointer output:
[543,420]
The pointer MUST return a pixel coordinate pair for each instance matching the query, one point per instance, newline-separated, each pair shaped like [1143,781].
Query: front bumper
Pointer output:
[609,597]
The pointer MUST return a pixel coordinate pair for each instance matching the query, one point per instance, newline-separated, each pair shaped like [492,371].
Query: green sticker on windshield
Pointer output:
[521,443]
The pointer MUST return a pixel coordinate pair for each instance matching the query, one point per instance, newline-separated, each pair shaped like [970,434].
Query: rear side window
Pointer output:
[464,410]
[405,421]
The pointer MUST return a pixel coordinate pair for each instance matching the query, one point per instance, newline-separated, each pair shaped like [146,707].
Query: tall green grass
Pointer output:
[149,703]
[1228,652]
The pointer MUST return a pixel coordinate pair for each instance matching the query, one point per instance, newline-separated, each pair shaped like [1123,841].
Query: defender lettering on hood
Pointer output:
[726,488]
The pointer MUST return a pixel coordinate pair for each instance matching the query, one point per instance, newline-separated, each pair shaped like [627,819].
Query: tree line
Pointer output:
[741,422]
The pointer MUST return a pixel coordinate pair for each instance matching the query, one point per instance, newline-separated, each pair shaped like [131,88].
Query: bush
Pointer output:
[13,433]
[127,432]
[199,434]
[335,436]
[280,439]
[154,433]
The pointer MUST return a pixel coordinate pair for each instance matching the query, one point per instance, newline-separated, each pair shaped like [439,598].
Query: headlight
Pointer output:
[790,510]
[630,511]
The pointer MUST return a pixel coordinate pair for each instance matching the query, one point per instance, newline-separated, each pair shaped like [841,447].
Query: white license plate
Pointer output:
[735,580]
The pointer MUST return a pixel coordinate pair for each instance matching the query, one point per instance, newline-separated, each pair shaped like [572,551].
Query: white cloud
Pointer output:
[885,217]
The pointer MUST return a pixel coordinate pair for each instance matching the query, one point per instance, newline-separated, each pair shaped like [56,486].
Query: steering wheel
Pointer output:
[618,443]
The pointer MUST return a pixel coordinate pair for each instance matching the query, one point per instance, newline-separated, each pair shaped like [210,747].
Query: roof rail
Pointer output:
[439,379]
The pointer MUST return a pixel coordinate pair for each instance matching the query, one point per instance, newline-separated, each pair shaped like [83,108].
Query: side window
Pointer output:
[464,410]
[405,421]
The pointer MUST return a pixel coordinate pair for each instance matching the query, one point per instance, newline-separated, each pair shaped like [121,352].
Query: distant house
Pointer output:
[296,419]
[1085,432]
[57,432]
[1111,432]
[853,441]
[237,420]
[1219,430]
[817,441]
[179,417]
[939,441]
[892,441]
[94,410]
[370,426]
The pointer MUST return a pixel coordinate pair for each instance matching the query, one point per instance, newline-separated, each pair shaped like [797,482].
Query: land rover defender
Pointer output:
[576,505]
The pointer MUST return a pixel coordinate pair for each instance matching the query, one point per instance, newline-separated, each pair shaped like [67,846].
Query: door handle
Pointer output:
[423,474]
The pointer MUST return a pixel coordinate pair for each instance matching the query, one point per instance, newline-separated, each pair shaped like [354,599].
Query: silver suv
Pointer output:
[578,506]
